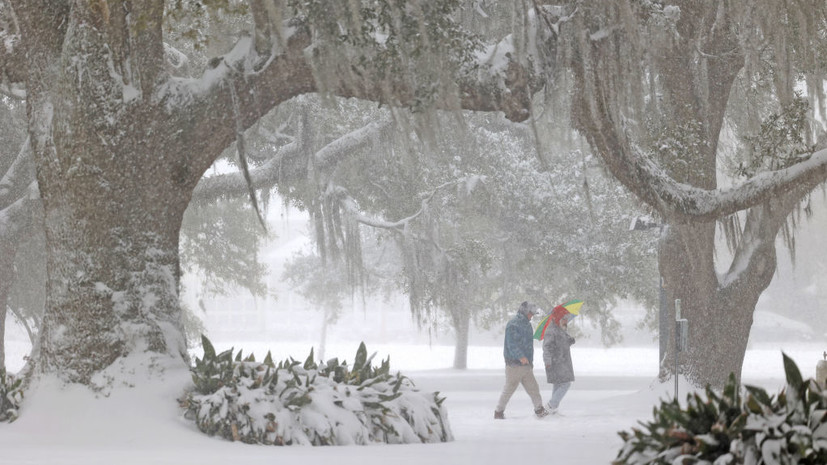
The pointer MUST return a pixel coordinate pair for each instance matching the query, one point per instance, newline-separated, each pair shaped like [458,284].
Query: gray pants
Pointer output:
[520,374]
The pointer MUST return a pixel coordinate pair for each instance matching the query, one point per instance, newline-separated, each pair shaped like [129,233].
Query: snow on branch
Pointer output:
[400,225]
[688,201]
[275,169]
[811,172]
[265,77]
[677,201]
[267,174]
[351,141]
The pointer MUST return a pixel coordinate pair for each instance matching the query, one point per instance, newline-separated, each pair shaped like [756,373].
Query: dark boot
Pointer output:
[499,415]
[541,412]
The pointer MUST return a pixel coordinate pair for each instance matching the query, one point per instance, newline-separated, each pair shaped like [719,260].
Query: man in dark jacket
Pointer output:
[518,351]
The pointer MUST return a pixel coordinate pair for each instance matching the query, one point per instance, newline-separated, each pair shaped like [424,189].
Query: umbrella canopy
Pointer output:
[572,307]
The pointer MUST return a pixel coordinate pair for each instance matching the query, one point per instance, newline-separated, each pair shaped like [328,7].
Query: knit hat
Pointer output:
[528,309]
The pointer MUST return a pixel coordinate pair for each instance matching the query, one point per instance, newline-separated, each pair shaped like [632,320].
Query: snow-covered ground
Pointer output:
[614,390]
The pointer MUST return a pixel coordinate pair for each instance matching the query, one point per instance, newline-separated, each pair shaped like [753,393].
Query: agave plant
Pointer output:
[310,403]
[731,428]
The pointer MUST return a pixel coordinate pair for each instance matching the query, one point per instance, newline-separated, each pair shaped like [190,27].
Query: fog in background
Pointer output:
[792,308]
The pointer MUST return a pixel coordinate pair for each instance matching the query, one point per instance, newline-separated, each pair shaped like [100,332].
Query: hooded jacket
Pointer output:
[557,355]
[519,340]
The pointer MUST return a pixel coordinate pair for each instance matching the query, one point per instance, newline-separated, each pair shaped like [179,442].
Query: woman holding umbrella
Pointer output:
[557,355]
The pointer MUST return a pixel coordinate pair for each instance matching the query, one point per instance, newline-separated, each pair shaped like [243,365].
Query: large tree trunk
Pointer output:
[720,312]
[720,319]
[119,146]
[694,69]
[718,329]
[113,201]
[696,97]
[112,288]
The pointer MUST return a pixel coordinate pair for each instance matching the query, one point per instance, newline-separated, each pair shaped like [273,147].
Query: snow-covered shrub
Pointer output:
[307,403]
[731,428]
[11,395]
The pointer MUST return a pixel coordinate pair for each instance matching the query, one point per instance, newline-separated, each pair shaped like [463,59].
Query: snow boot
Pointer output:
[499,415]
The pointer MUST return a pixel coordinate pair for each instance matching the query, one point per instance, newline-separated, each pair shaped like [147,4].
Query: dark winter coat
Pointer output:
[557,355]
[519,340]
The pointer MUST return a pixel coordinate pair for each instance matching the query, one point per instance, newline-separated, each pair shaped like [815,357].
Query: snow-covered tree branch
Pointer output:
[120,140]
[653,86]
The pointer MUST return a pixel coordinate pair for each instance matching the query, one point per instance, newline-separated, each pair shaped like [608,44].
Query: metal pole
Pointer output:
[677,342]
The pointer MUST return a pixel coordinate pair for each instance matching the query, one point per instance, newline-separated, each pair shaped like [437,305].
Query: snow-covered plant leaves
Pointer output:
[308,403]
[11,395]
[790,428]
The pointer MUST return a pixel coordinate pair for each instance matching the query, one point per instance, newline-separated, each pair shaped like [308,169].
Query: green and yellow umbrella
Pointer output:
[572,306]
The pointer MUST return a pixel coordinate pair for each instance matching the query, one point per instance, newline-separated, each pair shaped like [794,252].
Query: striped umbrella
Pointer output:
[572,306]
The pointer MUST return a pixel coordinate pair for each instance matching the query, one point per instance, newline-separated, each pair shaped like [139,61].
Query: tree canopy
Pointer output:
[653,85]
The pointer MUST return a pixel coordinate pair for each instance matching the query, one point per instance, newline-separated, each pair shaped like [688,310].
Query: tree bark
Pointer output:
[112,287]
[698,96]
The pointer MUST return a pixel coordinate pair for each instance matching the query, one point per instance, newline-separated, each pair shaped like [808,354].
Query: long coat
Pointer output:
[557,355]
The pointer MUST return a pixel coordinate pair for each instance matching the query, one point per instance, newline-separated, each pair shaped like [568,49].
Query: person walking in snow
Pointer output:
[557,344]
[518,351]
